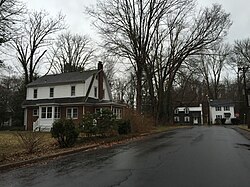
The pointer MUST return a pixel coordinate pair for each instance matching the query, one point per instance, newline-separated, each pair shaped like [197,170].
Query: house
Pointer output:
[219,109]
[188,115]
[67,95]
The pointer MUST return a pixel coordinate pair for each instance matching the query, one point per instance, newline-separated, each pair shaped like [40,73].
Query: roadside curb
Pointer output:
[80,149]
[242,131]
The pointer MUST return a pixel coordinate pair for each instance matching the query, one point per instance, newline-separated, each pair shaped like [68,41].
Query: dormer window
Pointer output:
[35,93]
[176,111]
[73,90]
[186,110]
[51,92]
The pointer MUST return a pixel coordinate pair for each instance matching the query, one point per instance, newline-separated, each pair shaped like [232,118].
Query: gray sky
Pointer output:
[79,23]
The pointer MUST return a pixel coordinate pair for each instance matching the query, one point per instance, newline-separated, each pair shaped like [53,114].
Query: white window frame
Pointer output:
[218,117]
[186,110]
[226,108]
[186,119]
[218,108]
[36,113]
[176,119]
[48,114]
[72,113]
[176,111]
[117,112]
[73,91]
[35,93]
[57,112]
[51,92]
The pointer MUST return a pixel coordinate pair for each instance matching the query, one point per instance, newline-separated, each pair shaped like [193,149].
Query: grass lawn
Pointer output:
[11,144]
[12,148]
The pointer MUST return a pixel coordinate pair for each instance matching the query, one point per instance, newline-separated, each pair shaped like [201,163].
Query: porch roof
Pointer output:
[68,101]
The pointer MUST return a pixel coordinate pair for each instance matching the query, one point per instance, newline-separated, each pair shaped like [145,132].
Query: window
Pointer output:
[176,111]
[186,118]
[227,115]
[73,90]
[218,116]
[57,113]
[218,108]
[117,112]
[51,92]
[49,112]
[226,108]
[46,112]
[186,110]
[35,112]
[35,93]
[176,119]
[95,91]
[72,113]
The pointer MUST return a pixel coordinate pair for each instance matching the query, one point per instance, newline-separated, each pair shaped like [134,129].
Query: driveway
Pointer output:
[201,156]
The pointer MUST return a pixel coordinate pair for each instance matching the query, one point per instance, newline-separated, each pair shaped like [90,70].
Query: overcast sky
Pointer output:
[79,23]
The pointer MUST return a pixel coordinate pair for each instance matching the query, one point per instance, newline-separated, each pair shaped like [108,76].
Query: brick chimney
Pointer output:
[100,81]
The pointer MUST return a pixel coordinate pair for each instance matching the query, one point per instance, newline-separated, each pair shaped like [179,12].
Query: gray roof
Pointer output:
[216,103]
[70,77]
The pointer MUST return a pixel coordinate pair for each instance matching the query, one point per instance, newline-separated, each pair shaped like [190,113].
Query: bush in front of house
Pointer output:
[89,124]
[217,121]
[235,121]
[101,123]
[30,141]
[65,132]
[124,126]
[223,121]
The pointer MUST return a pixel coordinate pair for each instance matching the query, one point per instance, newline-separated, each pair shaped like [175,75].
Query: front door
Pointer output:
[196,121]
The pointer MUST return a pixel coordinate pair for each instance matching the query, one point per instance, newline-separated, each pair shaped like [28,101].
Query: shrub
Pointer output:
[139,122]
[217,121]
[65,132]
[100,123]
[223,121]
[124,126]
[29,140]
[106,122]
[89,124]
[235,121]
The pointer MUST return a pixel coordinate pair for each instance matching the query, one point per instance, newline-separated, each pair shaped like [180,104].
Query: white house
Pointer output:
[219,109]
[67,95]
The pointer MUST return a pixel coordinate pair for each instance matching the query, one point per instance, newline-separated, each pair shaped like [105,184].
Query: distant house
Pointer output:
[67,95]
[188,115]
[219,109]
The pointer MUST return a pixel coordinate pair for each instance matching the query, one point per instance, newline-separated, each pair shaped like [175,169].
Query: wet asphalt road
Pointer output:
[201,156]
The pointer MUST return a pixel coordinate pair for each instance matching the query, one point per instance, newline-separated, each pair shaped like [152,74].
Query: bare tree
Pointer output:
[10,14]
[71,53]
[242,52]
[211,66]
[157,37]
[128,26]
[31,45]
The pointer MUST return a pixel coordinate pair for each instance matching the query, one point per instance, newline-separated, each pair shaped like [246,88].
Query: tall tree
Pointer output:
[128,26]
[211,65]
[31,45]
[10,14]
[71,52]
[156,37]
